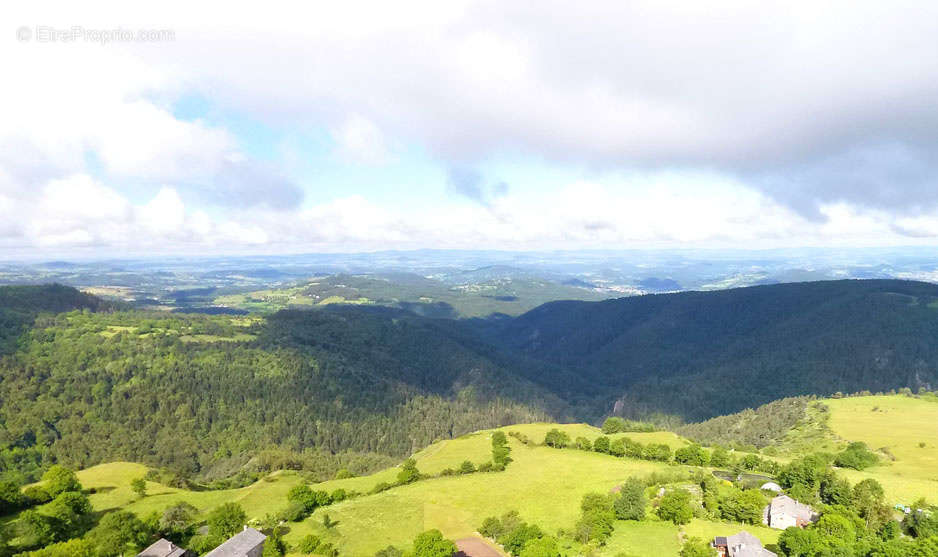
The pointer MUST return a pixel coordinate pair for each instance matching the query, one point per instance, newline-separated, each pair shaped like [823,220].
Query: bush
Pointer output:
[467,467]
[408,473]
[556,439]
[583,444]
[308,544]
[601,445]
[613,424]
[692,455]
[491,527]
[857,456]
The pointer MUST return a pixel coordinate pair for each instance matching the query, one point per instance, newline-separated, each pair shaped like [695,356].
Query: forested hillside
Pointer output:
[200,395]
[702,354]
[84,382]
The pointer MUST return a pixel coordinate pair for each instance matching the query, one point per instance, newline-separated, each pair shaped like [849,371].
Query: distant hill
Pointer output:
[703,354]
[19,305]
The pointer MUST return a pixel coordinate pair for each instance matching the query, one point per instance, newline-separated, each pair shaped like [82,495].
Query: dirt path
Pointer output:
[475,547]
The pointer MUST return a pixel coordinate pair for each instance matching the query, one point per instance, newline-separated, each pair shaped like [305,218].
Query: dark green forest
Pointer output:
[208,396]
[703,354]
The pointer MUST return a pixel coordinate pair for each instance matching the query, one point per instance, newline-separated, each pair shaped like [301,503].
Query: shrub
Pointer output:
[308,544]
[556,439]
[467,467]
[857,456]
[601,445]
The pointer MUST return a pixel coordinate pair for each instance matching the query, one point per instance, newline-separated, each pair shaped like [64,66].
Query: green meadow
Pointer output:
[902,426]
[544,485]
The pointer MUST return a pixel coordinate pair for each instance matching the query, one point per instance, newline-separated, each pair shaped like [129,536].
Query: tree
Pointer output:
[659,452]
[500,450]
[36,529]
[868,497]
[541,547]
[59,479]
[467,467]
[556,439]
[274,545]
[743,506]
[631,503]
[613,424]
[119,532]
[595,525]
[70,513]
[226,520]
[408,472]
[11,498]
[617,447]
[692,455]
[177,521]
[432,544]
[583,444]
[515,538]
[796,542]
[720,457]
[676,506]
[139,486]
[601,444]
[835,490]
[696,547]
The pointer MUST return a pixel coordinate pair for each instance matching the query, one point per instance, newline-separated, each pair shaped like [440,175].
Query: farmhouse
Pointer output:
[742,544]
[783,512]
[247,543]
[165,548]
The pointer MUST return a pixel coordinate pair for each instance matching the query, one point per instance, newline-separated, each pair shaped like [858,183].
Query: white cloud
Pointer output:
[750,124]
[360,141]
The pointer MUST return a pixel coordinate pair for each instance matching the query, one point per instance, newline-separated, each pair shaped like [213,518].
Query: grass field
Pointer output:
[899,424]
[544,485]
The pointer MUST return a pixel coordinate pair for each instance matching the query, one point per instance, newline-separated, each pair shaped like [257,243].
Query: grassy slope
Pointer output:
[545,485]
[898,423]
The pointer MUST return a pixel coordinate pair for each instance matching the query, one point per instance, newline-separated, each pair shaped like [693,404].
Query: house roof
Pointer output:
[787,505]
[163,548]
[239,545]
[745,544]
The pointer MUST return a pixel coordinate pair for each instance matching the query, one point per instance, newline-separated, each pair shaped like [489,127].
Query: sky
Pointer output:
[213,128]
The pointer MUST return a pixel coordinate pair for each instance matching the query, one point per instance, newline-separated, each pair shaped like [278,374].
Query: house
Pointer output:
[742,544]
[247,543]
[783,512]
[165,548]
